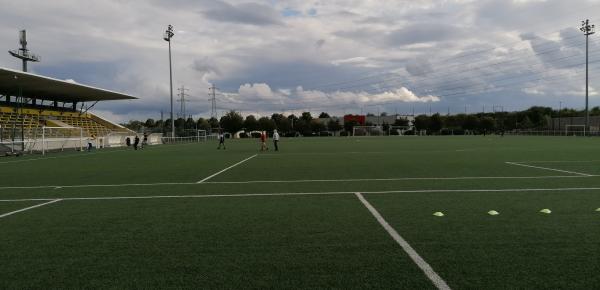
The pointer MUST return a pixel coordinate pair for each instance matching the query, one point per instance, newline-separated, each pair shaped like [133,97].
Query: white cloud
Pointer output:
[258,57]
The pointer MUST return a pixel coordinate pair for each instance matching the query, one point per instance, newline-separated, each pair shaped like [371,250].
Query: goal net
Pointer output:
[575,130]
[59,139]
[397,130]
[190,136]
[367,131]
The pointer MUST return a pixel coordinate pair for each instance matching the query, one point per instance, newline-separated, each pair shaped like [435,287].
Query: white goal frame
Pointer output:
[46,138]
[367,130]
[575,126]
[401,130]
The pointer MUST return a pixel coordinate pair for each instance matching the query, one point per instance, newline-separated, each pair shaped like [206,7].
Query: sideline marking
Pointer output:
[293,181]
[232,166]
[417,259]
[548,168]
[307,193]
[28,208]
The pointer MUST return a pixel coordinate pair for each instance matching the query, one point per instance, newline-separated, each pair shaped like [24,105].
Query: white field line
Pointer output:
[28,208]
[309,193]
[548,168]
[397,179]
[421,263]
[292,181]
[232,166]
[561,161]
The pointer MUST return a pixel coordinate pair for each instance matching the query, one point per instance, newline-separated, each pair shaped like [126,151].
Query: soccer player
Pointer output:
[90,145]
[136,142]
[275,140]
[263,141]
[221,140]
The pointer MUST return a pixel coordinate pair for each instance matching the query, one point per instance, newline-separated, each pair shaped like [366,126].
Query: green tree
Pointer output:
[349,125]
[251,124]
[421,122]
[324,115]
[266,124]
[317,126]
[334,125]
[487,124]
[150,123]
[232,122]
[202,124]
[471,123]
[401,122]
[435,123]
[306,116]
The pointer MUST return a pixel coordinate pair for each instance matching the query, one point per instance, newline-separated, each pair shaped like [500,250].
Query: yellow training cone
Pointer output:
[438,214]
[493,212]
[546,211]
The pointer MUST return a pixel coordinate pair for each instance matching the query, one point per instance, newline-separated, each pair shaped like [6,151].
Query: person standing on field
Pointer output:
[136,142]
[275,140]
[221,140]
[263,141]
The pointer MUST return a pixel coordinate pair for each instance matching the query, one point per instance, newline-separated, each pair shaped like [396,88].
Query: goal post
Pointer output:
[575,130]
[367,131]
[397,130]
[61,138]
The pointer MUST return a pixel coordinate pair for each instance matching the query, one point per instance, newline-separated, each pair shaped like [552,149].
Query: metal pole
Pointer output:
[44,140]
[559,109]
[587,30]
[587,112]
[171,87]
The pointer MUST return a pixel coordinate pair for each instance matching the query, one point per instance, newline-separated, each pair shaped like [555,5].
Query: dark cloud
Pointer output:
[419,67]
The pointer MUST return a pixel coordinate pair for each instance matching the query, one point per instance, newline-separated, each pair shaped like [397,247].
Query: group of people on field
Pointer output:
[263,140]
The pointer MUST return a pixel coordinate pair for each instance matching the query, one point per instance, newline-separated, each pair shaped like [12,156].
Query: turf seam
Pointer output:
[408,249]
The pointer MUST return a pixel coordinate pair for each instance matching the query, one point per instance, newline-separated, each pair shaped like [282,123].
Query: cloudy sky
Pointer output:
[339,56]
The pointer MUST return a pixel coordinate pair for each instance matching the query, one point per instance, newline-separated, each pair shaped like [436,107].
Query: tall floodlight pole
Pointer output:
[23,53]
[167,37]
[587,30]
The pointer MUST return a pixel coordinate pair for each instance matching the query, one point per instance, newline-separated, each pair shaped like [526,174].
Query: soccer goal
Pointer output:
[190,136]
[575,130]
[60,139]
[367,131]
[397,130]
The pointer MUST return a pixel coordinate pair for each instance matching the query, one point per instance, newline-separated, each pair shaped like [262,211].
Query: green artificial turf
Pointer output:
[306,241]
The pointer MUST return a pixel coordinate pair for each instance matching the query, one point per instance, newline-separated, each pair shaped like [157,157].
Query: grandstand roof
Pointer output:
[46,88]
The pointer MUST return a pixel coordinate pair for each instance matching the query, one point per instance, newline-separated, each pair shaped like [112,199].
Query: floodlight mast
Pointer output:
[587,30]
[167,37]
[23,53]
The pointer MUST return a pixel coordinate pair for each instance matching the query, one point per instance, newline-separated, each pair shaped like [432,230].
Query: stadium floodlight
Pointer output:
[587,30]
[23,53]
[167,37]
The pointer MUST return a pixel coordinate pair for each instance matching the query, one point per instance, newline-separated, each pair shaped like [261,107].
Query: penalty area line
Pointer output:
[408,249]
[307,194]
[294,181]
[28,208]
[548,168]
[232,166]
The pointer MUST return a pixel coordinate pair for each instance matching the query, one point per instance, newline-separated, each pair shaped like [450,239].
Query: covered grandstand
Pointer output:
[39,113]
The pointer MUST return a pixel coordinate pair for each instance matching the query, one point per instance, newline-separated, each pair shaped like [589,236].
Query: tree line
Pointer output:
[534,118]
